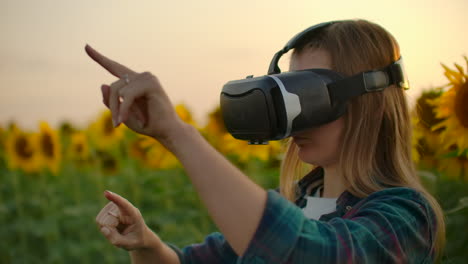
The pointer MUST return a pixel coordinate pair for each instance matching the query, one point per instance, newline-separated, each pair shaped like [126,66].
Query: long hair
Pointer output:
[376,144]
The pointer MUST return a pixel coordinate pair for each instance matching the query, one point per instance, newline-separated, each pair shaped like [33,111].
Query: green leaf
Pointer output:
[427,176]
[451,154]
[462,204]
[429,180]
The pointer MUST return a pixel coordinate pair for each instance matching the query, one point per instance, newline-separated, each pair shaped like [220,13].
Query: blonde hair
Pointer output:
[376,142]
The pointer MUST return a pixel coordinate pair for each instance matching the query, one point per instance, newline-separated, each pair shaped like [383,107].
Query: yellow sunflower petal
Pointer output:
[184,113]
[102,133]
[452,107]
[79,148]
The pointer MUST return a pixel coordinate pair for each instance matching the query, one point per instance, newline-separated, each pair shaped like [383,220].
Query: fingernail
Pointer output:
[105,231]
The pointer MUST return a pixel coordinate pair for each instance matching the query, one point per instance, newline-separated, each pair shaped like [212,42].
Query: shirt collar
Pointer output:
[344,203]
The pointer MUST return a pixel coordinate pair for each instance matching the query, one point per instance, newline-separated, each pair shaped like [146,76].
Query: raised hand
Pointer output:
[216,180]
[137,99]
[123,225]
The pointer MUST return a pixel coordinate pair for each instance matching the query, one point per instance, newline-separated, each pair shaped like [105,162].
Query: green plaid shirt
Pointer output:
[395,225]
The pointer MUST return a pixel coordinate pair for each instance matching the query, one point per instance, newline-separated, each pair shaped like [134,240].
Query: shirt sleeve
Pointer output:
[215,249]
[392,226]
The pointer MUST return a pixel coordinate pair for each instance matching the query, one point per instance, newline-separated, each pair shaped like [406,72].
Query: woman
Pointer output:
[361,161]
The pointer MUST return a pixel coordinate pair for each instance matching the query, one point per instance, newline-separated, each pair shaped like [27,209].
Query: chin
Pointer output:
[314,156]
[309,155]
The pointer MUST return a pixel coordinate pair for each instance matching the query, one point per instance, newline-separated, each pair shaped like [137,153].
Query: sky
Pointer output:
[194,47]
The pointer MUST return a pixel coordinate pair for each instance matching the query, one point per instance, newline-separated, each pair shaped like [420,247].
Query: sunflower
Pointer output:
[2,141]
[102,132]
[452,106]
[159,157]
[215,123]
[156,155]
[214,131]
[245,151]
[22,151]
[66,129]
[425,110]
[428,148]
[425,142]
[184,113]
[455,167]
[108,162]
[49,147]
[417,136]
[79,149]
[151,153]
[137,148]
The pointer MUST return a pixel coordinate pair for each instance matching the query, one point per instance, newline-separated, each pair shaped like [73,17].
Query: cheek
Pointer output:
[324,146]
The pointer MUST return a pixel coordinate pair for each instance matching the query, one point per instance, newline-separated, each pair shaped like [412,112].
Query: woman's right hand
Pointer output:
[138,100]
[123,225]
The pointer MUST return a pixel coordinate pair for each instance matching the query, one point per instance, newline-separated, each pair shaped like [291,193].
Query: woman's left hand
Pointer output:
[138,100]
[123,225]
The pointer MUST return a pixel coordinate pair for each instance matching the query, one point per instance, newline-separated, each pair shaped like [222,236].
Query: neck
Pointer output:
[333,183]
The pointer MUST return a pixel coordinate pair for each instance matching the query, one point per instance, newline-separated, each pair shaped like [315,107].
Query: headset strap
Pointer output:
[292,43]
[366,82]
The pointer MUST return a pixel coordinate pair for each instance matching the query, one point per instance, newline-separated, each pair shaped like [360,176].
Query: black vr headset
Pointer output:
[277,105]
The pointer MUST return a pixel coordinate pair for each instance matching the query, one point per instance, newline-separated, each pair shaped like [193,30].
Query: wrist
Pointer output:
[153,250]
[151,241]
[180,132]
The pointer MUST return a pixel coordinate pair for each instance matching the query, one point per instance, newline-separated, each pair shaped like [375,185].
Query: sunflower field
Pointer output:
[53,179]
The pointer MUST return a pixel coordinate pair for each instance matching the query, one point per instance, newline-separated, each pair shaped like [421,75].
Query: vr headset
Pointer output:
[277,105]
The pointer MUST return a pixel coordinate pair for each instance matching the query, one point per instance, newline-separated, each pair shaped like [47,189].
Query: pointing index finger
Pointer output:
[123,204]
[111,66]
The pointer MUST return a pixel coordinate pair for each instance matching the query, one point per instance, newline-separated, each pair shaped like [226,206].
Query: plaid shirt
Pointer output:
[395,225]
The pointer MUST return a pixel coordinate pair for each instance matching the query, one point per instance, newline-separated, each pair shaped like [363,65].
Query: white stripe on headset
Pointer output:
[291,104]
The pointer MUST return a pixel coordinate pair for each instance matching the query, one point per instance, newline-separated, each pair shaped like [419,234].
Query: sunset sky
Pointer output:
[194,47]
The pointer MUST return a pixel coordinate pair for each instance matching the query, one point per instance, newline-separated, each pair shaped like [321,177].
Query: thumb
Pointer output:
[114,237]
[105,90]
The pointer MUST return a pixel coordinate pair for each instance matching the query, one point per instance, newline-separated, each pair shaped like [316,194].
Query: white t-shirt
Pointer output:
[317,206]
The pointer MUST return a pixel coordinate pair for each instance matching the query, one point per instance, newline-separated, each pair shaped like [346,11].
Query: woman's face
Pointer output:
[319,145]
